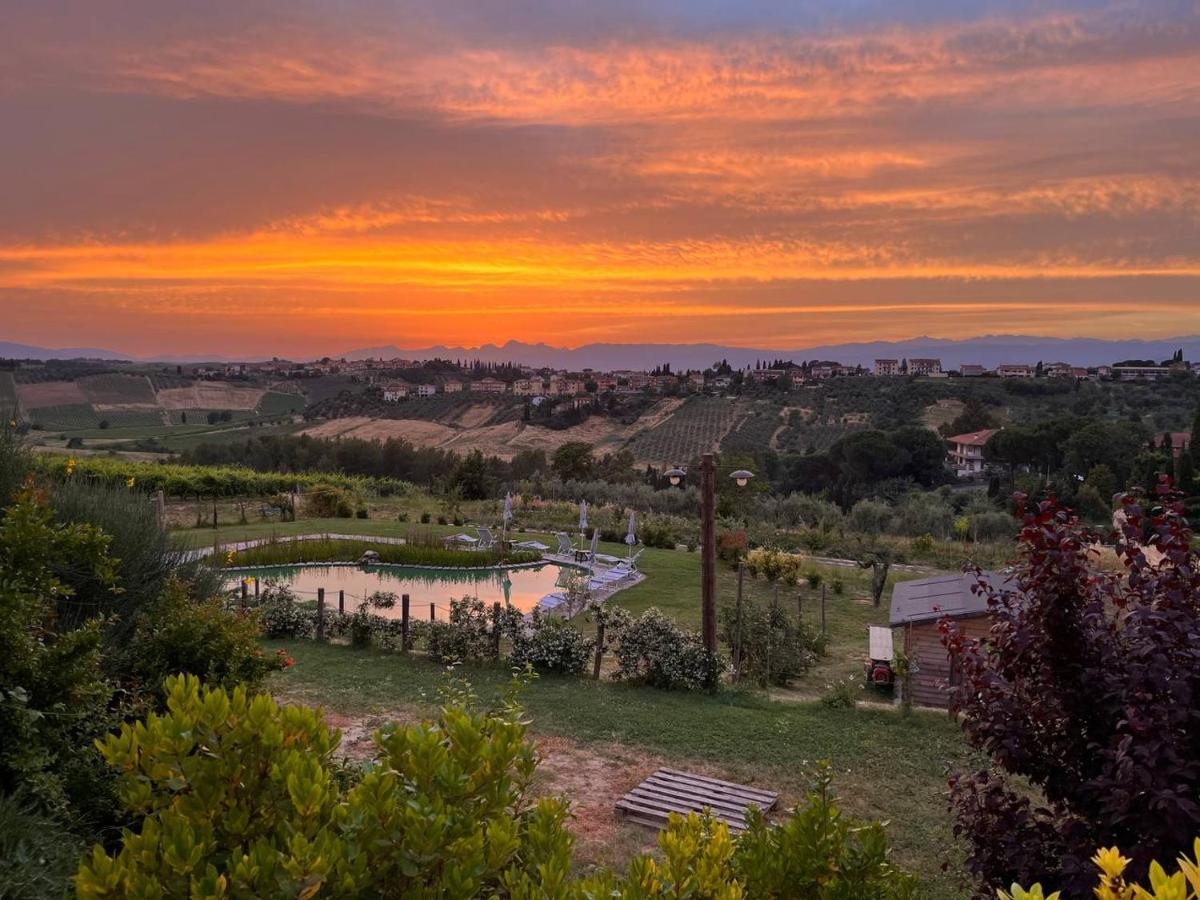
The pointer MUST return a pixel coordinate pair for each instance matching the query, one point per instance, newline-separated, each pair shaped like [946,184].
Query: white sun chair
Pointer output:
[564,543]
[461,540]
[531,545]
[486,541]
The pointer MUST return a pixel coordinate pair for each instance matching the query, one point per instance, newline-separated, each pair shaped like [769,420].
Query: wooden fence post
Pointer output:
[496,630]
[245,592]
[256,588]
[342,601]
[599,649]
[160,507]
[404,645]
[432,613]
[822,609]
[320,614]
[771,631]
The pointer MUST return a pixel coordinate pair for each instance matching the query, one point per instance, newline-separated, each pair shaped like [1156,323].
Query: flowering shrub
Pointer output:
[281,616]
[656,651]
[467,634]
[552,644]
[1182,884]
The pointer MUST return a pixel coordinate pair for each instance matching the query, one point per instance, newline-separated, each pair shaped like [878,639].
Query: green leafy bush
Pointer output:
[327,501]
[772,647]
[198,637]
[656,651]
[552,644]
[843,693]
[37,853]
[465,637]
[53,695]
[239,797]
[414,553]
[363,626]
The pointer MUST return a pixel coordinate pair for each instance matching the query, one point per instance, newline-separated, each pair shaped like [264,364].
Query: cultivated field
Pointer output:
[211,395]
[51,393]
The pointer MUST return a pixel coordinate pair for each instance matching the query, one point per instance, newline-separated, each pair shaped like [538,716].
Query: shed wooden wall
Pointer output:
[923,645]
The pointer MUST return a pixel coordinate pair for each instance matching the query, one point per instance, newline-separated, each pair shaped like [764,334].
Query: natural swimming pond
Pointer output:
[523,587]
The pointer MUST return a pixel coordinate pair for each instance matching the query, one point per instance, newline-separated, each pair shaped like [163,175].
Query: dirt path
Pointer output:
[591,777]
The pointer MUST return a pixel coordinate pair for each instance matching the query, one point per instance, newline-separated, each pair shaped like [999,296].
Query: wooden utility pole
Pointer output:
[342,601]
[737,637]
[320,614]
[708,552]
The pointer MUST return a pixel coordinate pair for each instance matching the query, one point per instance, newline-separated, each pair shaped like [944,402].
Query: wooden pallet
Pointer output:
[669,790]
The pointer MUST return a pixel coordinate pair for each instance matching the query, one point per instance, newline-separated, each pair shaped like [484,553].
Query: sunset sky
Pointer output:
[302,178]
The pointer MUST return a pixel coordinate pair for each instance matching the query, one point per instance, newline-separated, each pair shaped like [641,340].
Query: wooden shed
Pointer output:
[917,608]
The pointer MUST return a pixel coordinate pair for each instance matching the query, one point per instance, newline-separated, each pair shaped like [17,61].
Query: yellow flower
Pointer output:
[229,557]
[1016,892]
[1189,867]
[1110,862]
[70,465]
[129,481]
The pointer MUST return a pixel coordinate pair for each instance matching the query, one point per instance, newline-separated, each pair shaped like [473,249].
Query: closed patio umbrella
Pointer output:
[582,521]
[507,514]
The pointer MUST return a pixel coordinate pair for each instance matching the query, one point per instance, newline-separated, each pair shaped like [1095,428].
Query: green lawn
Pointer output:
[887,765]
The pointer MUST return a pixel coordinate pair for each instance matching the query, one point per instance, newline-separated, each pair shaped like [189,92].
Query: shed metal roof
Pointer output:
[928,599]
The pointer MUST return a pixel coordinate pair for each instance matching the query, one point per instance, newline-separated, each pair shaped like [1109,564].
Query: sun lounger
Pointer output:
[531,545]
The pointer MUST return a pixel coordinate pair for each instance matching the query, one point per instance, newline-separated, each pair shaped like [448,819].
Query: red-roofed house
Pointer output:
[1180,441]
[966,452]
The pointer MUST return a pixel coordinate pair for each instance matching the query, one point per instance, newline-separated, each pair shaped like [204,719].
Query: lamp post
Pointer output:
[708,541]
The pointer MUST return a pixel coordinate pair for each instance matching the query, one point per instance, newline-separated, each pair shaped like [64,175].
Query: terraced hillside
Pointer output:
[696,426]
[137,402]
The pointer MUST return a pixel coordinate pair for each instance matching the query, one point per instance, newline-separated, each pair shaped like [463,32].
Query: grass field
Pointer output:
[886,765]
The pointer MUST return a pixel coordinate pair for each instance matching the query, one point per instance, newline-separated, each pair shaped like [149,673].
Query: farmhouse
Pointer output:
[924,366]
[917,609]
[972,370]
[451,386]
[1140,373]
[425,390]
[394,391]
[1014,370]
[966,452]
[887,367]
[488,386]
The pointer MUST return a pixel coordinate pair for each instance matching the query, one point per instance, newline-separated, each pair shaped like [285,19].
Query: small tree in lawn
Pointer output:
[879,561]
[1087,687]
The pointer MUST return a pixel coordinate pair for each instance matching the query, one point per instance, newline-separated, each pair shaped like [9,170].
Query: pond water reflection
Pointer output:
[523,587]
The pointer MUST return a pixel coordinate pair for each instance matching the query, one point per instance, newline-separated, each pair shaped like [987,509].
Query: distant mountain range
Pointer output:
[989,350]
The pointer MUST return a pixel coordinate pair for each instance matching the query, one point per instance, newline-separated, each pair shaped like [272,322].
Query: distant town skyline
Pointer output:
[311,178]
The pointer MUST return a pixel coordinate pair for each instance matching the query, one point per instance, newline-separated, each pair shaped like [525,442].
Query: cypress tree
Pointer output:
[1185,473]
